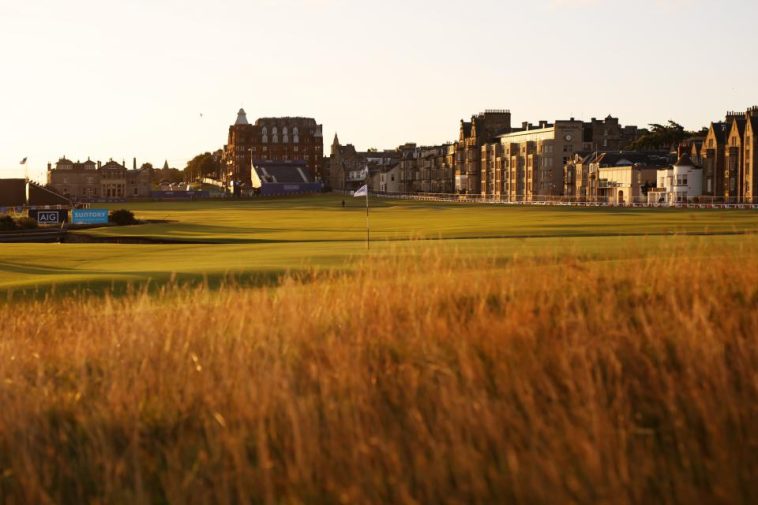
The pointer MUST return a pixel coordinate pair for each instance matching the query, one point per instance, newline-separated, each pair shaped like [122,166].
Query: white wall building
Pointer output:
[680,183]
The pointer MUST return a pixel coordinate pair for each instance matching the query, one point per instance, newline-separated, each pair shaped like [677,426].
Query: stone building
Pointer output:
[531,160]
[435,173]
[608,134]
[87,181]
[733,157]
[712,159]
[728,157]
[273,139]
[528,162]
[614,177]
[386,179]
[347,165]
[482,128]
[750,157]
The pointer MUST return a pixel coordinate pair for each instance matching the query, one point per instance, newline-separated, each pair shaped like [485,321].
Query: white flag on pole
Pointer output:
[362,191]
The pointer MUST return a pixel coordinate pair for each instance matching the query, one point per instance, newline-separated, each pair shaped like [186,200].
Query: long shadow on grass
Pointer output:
[152,282]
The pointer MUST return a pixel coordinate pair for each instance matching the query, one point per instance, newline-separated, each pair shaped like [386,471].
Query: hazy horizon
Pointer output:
[163,79]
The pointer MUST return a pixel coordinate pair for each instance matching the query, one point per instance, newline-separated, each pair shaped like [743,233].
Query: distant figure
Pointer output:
[343,204]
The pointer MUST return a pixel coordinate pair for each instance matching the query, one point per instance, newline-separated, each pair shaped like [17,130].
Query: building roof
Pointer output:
[720,130]
[684,161]
[282,172]
[13,194]
[626,158]
[286,121]
[740,122]
[241,118]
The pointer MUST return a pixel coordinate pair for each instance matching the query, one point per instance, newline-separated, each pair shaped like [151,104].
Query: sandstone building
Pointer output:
[527,163]
[348,166]
[86,181]
[728,157]
[472,135]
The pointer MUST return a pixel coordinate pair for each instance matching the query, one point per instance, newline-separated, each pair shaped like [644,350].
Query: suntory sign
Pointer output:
[89,216]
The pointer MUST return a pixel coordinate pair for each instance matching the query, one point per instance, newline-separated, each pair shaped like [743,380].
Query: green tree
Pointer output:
[203,165]
[667,136]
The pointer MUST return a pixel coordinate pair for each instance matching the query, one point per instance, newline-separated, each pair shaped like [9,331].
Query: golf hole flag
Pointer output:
[362,191]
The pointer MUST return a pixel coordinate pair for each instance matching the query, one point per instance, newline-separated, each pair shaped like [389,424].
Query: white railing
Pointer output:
[695,203]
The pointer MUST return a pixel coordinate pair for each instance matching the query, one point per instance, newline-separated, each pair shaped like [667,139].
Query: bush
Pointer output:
[7,223]
[27,223]
[122,217]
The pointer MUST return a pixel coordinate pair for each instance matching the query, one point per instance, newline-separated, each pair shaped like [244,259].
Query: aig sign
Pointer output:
[49,216]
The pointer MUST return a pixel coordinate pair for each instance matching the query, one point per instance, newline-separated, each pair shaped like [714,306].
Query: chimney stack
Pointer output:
[134,163]
[99,164]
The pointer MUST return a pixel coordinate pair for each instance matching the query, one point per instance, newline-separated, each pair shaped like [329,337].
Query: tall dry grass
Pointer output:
[436,380]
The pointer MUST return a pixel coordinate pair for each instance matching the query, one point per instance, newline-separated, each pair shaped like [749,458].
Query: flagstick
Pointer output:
[368,228]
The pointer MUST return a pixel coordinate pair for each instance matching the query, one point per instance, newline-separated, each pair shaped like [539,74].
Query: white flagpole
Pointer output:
[368,228]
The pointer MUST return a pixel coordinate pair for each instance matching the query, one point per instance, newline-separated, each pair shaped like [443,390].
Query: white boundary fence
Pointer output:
[701,203]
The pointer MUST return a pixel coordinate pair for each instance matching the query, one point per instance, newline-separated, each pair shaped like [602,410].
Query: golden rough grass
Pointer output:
[435,380]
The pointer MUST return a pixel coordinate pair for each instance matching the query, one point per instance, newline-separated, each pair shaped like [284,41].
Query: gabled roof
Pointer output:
[684,161]
[739,123]
[720,131]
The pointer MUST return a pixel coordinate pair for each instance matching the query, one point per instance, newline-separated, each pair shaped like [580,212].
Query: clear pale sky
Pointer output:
[123,79]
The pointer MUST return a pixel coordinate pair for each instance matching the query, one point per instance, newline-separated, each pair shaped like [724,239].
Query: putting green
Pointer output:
[261,239]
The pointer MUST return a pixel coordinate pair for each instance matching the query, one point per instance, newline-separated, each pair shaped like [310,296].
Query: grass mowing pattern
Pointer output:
[263,239]
[434,379]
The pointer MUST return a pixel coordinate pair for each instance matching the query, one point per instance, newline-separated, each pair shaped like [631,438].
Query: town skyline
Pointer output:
[124,82]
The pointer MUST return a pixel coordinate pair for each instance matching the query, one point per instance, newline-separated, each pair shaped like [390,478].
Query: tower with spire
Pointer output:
[241,118]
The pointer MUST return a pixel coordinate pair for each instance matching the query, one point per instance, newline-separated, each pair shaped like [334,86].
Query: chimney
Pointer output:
[134,163]
[49,166]
[99,164]
[525,125]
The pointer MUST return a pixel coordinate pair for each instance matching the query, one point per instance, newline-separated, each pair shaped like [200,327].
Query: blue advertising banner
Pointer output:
[90,216]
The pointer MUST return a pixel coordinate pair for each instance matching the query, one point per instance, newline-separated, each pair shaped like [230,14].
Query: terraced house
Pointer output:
[528,163]
[728,157]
